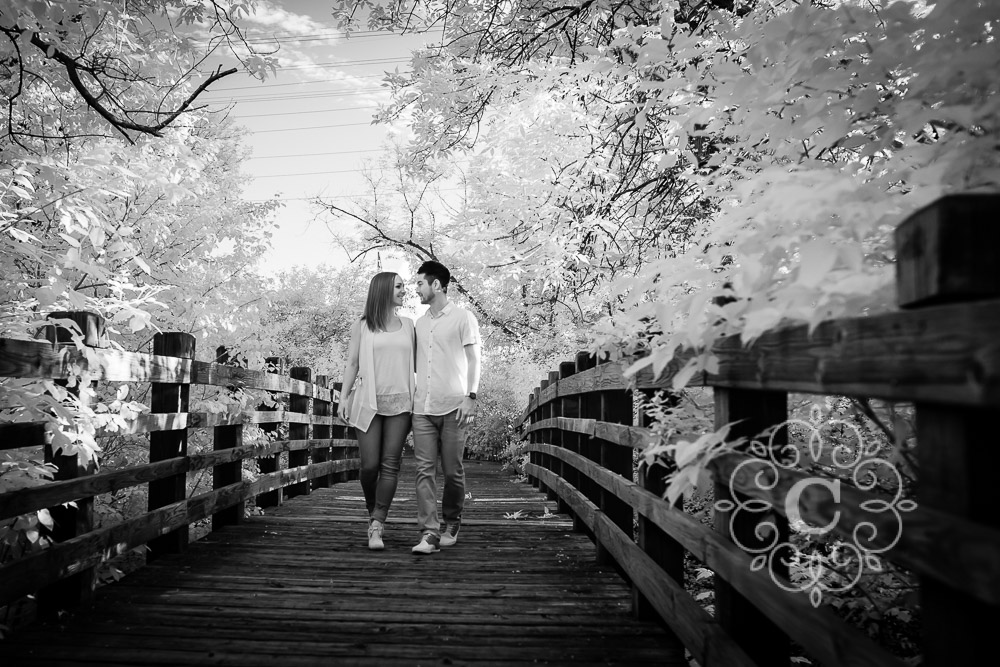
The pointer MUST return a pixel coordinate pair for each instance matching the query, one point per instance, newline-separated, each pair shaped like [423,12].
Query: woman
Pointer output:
[380,357]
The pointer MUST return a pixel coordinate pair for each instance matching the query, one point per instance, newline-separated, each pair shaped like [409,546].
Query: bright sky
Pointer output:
[310,125]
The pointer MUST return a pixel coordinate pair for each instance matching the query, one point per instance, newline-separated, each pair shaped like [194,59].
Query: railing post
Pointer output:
[543,436]
[269,464]
[68,521]
[946,253]
[339,432]
[754,411]
[590,405]
[535,437]
[227,437]
[568,407]
[529,420]
[299,457]
[555,435]
[321,433]
[168,397]
[615,407]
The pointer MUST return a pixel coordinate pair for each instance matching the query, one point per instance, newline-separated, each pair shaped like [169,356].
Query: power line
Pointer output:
[363,150]
[299,83]
[324,197]
[331,32]
[314,127]
[297,113]
[346,63]
[312,173]
[278,97]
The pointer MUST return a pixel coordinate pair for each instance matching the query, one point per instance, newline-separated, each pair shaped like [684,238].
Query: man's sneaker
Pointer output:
[428,544]
[375,535]
[450,534]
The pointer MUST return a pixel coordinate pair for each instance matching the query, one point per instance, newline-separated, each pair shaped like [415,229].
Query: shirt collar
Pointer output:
[444,311]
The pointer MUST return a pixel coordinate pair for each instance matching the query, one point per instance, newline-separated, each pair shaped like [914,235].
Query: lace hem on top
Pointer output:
[393,404]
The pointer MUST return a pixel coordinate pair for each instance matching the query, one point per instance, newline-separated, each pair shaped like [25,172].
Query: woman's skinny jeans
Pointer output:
[381,448]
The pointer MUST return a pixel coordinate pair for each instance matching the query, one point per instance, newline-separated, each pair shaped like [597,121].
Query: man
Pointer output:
[448,354]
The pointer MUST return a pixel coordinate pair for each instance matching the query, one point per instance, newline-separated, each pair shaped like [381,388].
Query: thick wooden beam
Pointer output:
[165,445]
[301,404]
[948,253]
[70,521]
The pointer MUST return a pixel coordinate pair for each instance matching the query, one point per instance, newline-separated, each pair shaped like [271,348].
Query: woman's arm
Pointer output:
[350,370]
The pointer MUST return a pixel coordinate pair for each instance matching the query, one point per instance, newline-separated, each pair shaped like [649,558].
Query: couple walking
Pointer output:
[422,376]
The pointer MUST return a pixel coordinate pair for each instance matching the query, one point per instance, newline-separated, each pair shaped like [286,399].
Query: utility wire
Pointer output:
[306,96]
[324,197]
[314,127]
[261,86]
[267,157]
[346,63]
[312,173]
[298,113]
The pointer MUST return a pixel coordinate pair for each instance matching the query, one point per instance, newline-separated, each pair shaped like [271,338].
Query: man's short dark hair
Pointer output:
[436,270]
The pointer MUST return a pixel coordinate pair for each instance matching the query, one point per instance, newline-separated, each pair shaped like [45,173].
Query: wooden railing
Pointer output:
[941,351]
[62,575]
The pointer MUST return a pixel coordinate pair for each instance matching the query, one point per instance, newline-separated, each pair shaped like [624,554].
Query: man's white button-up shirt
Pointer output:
[442,369]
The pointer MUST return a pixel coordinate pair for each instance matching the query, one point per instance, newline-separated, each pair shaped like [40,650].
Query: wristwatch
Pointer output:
[472,395]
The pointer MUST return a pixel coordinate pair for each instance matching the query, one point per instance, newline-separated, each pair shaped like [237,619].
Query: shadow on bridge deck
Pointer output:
[299,587]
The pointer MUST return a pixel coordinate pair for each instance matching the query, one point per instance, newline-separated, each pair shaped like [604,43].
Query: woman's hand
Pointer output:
[342,406]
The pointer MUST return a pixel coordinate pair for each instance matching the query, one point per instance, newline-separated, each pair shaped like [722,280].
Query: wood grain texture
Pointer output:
[619,434]
[28,574]
[953,550]
[706,641]
[828,639]
[14,503]
[949,250]
[298,586]
[42,360]
[947,354]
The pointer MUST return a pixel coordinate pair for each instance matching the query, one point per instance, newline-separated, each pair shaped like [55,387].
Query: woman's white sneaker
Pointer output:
[375,535]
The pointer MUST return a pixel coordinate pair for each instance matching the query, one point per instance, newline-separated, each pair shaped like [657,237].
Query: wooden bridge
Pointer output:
[298,586]
[598,572]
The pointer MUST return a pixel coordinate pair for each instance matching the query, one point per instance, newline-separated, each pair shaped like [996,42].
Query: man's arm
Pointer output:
[472,358]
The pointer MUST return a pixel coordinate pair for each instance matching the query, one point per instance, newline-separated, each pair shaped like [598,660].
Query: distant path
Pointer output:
[299,587]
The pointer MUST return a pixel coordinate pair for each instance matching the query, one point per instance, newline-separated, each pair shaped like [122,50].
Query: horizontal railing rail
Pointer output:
[320,450]
[941,352]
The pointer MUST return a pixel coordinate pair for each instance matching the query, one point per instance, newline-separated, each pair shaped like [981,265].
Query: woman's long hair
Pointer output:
[378,307]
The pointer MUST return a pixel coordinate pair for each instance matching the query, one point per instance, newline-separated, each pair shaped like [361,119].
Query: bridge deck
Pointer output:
[298,586]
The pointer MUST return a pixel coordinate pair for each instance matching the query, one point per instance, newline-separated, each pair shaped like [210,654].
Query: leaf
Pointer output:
[816,259]
[45,518]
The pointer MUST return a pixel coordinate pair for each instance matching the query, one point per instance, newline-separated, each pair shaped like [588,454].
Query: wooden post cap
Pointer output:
[949,251]
[91,326]
[174,344]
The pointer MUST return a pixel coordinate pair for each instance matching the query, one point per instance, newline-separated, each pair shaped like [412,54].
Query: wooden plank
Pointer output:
[32,434]
[288,588]
[18,435]
[42,360]
[961,553]
[619,434]
[706,641]
[749,412]
[819,631]
[949,251]
[169,397]
[941,354]
[299,430]
[26,575]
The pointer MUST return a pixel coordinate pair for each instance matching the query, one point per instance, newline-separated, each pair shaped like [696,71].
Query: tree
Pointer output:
[758,152]
[137,216]
[105,56]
